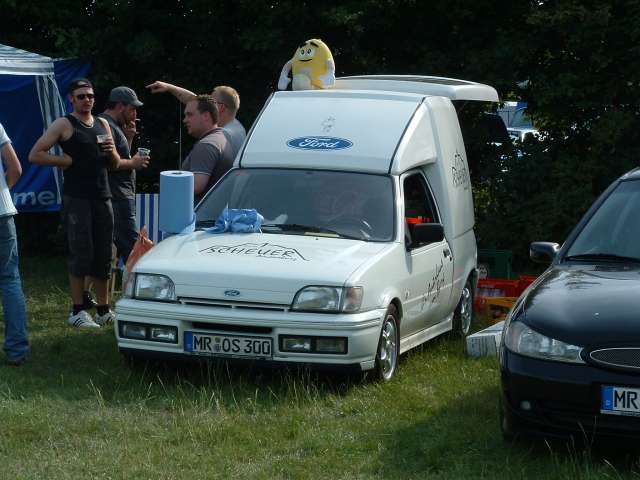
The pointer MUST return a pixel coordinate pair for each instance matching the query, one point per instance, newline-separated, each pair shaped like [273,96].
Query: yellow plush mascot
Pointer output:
[311,67]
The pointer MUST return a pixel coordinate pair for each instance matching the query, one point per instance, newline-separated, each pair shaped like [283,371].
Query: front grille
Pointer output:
[273,307]
[231,328]
[623,358]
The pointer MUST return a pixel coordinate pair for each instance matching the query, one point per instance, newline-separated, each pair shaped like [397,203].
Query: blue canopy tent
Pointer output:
[30,86]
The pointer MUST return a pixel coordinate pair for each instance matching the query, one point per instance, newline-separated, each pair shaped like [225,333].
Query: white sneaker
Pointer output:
[82,320]
[102,320]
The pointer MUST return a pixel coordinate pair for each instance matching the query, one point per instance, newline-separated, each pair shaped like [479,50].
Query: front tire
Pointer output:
[463,315]
[388,346]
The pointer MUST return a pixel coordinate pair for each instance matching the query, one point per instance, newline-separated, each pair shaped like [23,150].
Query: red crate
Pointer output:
[524,281]
[497,287]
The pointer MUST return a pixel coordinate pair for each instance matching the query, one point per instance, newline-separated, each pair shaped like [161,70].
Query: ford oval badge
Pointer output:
[231,293]
[320,143]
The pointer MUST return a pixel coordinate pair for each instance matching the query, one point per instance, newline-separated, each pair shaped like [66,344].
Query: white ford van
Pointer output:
[367,247]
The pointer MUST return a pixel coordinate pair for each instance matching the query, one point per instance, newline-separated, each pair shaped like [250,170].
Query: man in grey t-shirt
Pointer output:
[121,114]
[227,101]
[212,155]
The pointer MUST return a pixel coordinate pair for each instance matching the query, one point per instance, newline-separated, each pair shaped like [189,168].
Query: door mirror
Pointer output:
[426,233]
[543,252]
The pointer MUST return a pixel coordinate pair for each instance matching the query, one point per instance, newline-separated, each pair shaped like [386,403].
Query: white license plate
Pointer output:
[227,345]
[620,401]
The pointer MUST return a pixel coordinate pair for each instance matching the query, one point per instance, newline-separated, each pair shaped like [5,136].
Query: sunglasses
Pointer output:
[82,96]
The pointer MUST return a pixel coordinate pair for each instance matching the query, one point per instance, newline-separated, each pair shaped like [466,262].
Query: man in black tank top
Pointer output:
[87,143]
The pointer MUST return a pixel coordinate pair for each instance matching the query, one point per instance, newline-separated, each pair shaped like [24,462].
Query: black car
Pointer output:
[570,352]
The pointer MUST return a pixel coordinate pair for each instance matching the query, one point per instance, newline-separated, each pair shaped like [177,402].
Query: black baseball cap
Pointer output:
[125,95]
[79,83]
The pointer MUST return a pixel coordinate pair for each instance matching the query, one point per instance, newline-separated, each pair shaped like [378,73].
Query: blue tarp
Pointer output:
[28,103]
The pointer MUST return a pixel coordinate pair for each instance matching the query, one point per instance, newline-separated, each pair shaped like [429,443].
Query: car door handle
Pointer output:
[446,252]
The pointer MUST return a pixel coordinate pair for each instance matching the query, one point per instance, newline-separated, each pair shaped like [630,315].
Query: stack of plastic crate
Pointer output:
[495,297]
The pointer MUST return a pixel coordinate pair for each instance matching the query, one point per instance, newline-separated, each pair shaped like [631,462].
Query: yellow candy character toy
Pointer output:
[312,67]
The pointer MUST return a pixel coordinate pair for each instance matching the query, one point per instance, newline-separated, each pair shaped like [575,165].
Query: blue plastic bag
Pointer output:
[237,220]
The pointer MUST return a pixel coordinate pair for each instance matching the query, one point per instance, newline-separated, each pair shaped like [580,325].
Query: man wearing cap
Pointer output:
[121,114]
[16,344]
[89,152]
[226,99]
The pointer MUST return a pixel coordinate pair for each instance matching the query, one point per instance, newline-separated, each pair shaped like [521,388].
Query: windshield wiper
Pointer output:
[296,227]
[611,257]
[205,223]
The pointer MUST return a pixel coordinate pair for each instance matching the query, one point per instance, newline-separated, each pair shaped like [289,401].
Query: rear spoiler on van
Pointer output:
[451,88]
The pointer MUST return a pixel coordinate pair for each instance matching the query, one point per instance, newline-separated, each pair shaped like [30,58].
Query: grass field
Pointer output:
[77,411]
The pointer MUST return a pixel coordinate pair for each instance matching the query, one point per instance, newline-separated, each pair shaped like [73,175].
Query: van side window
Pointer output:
[418,203]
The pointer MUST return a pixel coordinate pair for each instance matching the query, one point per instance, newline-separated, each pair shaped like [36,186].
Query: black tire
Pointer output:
[463,315]
[388,346]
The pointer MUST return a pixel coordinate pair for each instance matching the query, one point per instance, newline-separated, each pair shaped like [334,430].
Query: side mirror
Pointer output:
[425,233]
[543,252]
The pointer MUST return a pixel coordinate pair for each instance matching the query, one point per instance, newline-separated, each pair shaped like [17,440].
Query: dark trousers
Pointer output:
[124,226]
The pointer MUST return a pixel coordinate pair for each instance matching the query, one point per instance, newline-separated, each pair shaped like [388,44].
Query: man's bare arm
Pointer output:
[109,147]
[13,169]
[200,182]
[39,153]
[182,94]
[134,163]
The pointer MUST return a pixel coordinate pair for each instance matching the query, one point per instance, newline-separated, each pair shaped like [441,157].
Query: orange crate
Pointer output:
[496,308]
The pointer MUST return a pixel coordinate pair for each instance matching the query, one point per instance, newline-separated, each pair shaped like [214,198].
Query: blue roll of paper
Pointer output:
[176,201]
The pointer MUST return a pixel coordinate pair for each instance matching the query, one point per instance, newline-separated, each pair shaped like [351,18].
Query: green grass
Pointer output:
[77,411]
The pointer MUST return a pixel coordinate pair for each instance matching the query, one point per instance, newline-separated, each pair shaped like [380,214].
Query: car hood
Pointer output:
[268,268]
[586,305]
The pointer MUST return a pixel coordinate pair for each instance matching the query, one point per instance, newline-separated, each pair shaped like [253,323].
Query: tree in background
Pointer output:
[582,76]
[579,61]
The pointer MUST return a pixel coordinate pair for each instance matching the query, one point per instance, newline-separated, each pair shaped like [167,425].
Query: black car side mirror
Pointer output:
[543,252]
[425,233]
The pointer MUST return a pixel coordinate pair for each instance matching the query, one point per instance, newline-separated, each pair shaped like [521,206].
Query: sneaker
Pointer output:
[105,319]
[82,320]
[88,302]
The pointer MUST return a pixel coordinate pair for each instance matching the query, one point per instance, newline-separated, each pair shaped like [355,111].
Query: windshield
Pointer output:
[307,202]
[614,229]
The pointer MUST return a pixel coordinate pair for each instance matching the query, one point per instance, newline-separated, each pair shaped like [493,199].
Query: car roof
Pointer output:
[451,88]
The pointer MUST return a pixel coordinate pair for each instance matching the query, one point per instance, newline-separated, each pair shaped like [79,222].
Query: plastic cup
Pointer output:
[144,152]
[102,138]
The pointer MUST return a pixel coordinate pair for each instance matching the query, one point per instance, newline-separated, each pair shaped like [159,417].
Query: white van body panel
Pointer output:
[418,145]
[267,269]
[373,122]
[450,88]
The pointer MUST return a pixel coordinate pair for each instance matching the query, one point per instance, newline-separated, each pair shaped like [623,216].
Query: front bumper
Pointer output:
[362,330]
[563,399]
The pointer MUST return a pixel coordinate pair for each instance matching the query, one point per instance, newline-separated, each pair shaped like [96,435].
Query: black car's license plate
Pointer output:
[228,345]
[620,401]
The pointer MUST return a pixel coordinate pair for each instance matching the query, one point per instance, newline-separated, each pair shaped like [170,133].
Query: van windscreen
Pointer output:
[304,202]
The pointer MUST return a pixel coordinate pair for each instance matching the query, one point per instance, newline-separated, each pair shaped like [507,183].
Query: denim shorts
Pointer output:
[88,224]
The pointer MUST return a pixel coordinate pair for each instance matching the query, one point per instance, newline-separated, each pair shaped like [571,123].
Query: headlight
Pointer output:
[519,338]
[328,299]
[154,287]
[128,284]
